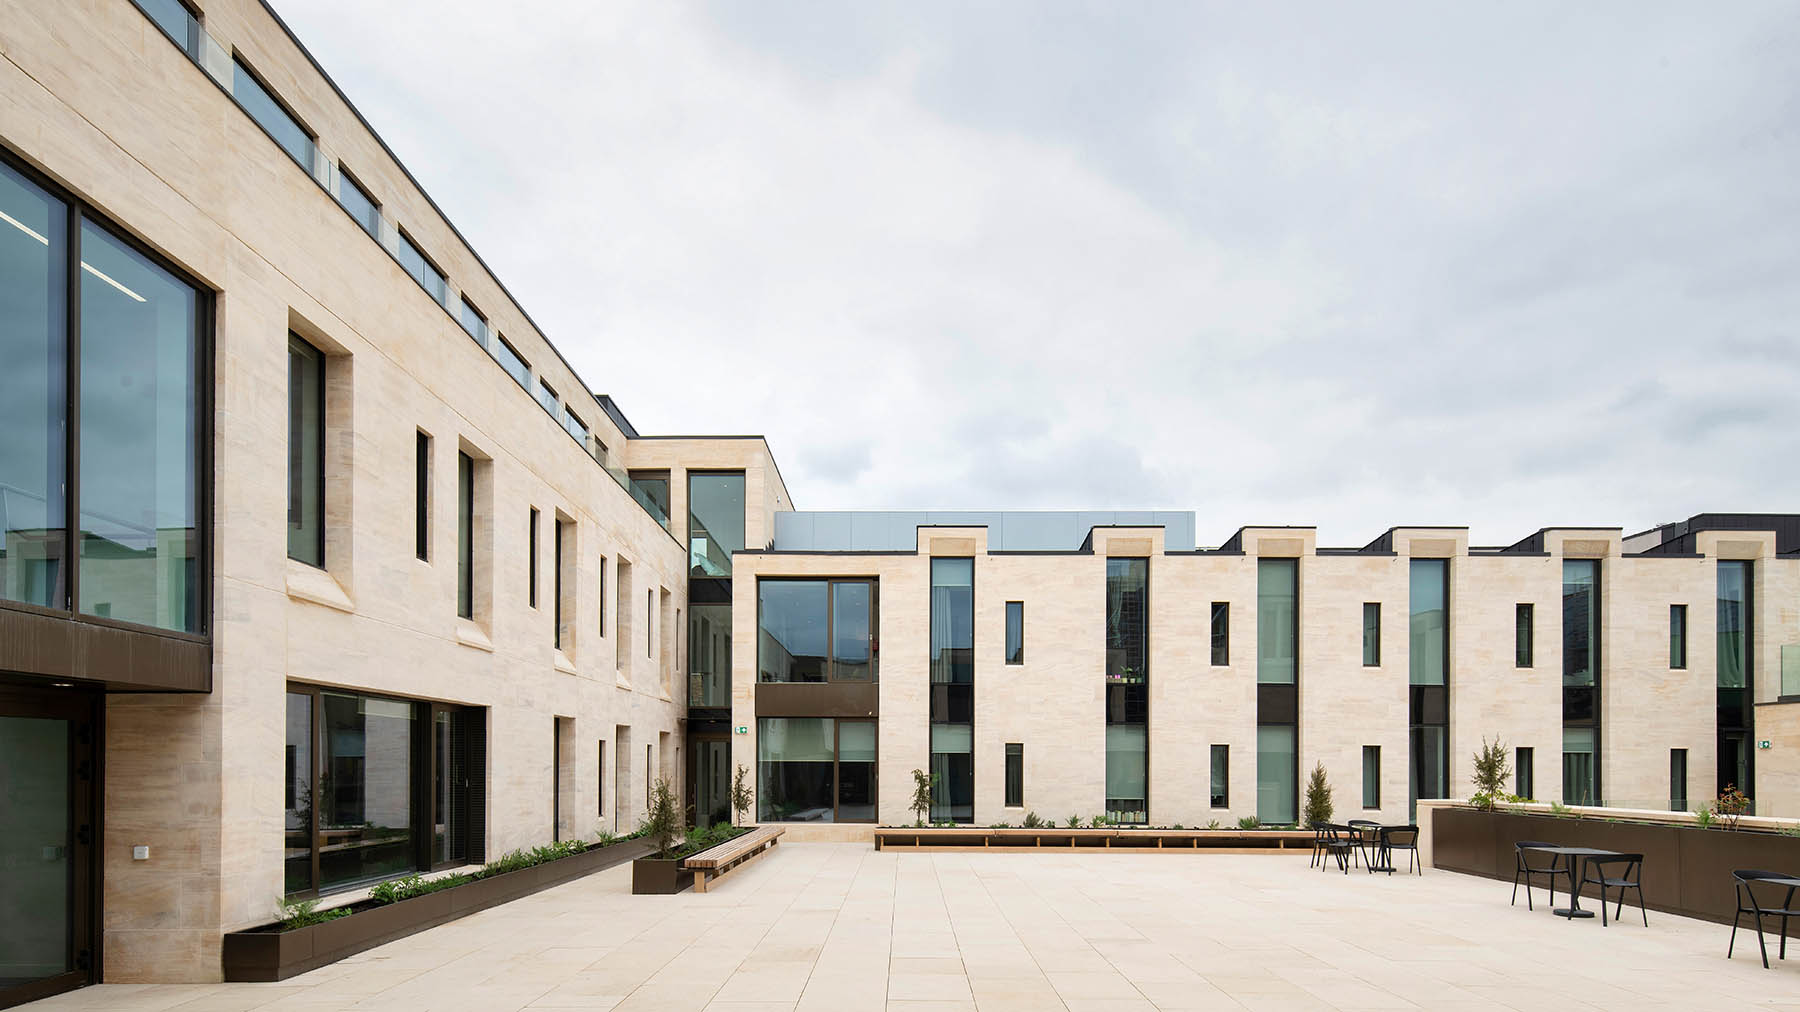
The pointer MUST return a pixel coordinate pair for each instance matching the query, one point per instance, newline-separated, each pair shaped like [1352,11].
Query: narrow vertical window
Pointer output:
[422,498]
[1277,622]
[600,779]
[650,623]
[1522,785]
[1015,775]
[1371,776]
[600,595]
[556,599]
[1127,695]
[1523,634]
[1371,634]
[1221,776]
[465,535]
[1678,636]
[306,452]
[1015,632]
[1678,780]
[951,707]
[531,539]
[1221,633]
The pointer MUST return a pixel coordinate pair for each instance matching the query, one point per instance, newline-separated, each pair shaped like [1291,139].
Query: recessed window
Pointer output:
[574,426]
[306,452]
[816,630]
[1429,651]
[650,623]
[514,363]
[422,497]
[1221,633]
[1221,776]
[176,21]
[1678,780]
[357,201]
[1015,775]
[474,323]
[531,542]
[1678,636]
[622,617]
[600,780]
[271,115]
[1277,625]
[1371,634]
[421,269]
[1522,773]
[1015,632]
[465,535]
[1523,635]
[546,395]
[1371,776]
[815,769]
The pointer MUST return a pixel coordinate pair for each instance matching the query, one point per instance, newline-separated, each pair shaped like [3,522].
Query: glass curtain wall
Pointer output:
[1428,663]
[795,773]
[34,260]
[1277,676]
[1736,677]
[1581,682]
[715,522]
[709,654]
[1127,690]
[952,665]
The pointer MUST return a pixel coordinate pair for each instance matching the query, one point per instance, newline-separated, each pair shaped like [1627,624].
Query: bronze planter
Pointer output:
[267,953]
[657,876]
[1687,870]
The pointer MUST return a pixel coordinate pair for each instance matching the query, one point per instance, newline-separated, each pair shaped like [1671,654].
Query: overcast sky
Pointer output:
[1508,266]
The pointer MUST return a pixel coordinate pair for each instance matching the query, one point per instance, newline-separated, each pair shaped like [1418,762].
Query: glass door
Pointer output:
[711,777]
[46,790]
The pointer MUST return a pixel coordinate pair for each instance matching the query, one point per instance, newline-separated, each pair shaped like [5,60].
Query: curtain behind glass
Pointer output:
[1127,620]
[1734,603]
[1126,766]
[1277,626]
[1428,653]
[1275,774]
[952,621]
[1581,620]
[1578,765]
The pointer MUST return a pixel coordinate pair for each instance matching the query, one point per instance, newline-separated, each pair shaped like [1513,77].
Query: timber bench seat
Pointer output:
[716,862]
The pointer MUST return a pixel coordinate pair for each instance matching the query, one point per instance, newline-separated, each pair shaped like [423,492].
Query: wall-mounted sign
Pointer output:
[1764,744]
[741,729]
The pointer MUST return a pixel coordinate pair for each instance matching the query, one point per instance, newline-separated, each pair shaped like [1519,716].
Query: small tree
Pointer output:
[1318,796]
[663,820]
[1732,804]
[1491,773]
[922,788]
[740,793]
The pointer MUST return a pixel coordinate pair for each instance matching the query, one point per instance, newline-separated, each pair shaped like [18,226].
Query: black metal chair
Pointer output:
[1746,882]
[1367,836]
[1321,837]
[1405,838]
[1333,841]
[1630,878]
[1553,871]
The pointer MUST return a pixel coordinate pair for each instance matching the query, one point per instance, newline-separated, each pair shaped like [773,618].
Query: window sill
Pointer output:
[471,635]
[305,583]
[561,662]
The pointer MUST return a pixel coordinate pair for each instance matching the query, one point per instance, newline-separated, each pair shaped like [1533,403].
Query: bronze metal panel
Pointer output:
[818,699]
[36,644]
[121,658]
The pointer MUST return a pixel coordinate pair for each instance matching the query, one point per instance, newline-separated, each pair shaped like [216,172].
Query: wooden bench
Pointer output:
[715,863]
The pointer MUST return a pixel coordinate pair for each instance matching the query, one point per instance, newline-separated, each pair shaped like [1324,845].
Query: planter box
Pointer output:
[656,876]
[269,954]
[1108,838]
[1687,870]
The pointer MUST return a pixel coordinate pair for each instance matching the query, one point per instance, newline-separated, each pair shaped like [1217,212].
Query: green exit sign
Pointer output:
[741,729]
[1764,744]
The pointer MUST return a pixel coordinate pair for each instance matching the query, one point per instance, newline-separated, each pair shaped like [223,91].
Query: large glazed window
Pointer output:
[715,522]
[34,258]
[1127,625]
[139,480]
[1734,625]
[856,770]
[1429,650]
[1581,621]
[709,654]
[1276,774]
[796,760]
[1277,621]
[816,630]
[852,638]
[952,704]
[306,453]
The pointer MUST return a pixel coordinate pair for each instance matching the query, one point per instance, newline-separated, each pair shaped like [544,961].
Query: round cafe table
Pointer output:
[1577,858]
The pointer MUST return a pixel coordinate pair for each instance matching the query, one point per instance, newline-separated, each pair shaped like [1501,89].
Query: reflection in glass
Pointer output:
[262,107]
[175,21]
[1371,635]
[795,757]
[36,872]
[365,796]
[299,792]
[1220,794]
[33,384]
[1371,776]
[953,762]
[1127,781]
[712,775]
[139,466]
[1734,625]
[791,641]
[652,492]
[1277,621]
[856,770]
[361,206]
[1015,632]
[1429,651]
[1581,620]
[306,453]
[1578,765]
[1430,761]
[952,673]
[851,654]
[709,654]
[1276,774]
[1127,620]
[420,269]
[715,522]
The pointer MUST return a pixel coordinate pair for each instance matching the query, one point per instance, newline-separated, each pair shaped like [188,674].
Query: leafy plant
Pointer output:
[1318,796]
[1492,769]
[1703,817]
[1032,821]
[1214,824]
[1249,822]
[1074,821]
[410,886]
[663,818]
[1096,821]
[740,793]
[1731,806]
[305,913]
[1178,826]
[1562,811]
[923,784]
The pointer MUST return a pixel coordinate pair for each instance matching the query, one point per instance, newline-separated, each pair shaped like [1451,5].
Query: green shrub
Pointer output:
[1214,824]
[1032,821]
[1703,816]
[305,913]
[1074,821]
[1249,822]
[1318,796]
[410,886]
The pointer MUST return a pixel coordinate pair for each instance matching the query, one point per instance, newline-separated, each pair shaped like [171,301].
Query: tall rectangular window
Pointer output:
[271,115]
[1015,632]
[306,452]
[420,268]
[709,652]
[1221,633]
[1277,774]
[465,535]
[600,779]
[1524,634]
[715,521]
[1581,621]
[1735,661]
[1015,775]
[1734,625]
[1579,759]
[422,497]
[1277,621]
[357,201]
[650,622]
[622,633]
[531,553]
[1221,776]
[600,596]
[1678,636]
[1580,681]
[1429,654]
[1371,776]
[1522,773]
[1678,786]
[1127,689]
[560,546]
[952,703]
[1371,634]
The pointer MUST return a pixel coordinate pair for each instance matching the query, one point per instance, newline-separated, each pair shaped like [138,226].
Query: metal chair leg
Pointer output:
[1734,927]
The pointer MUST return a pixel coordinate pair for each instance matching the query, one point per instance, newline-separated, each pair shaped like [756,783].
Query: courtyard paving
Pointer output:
[840,927]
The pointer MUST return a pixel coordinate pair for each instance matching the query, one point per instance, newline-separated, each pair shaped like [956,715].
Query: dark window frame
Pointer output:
[531,552]
[465,535]
[1524,771]
[556,591]
[837,777]
[422,444]
[1371,646]
[1219,759]
[1678,637]
[1524,635]
[1221,634]
[298,345]
[831,582]
[1015,632]
[1371,788]
[1015,774]
[1678,778]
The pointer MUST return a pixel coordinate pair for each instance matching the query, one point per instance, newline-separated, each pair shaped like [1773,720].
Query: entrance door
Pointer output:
[47,765]
[711,777]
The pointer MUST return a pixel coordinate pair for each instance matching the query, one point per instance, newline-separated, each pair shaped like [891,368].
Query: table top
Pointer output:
[1791,883]
[1574,851]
